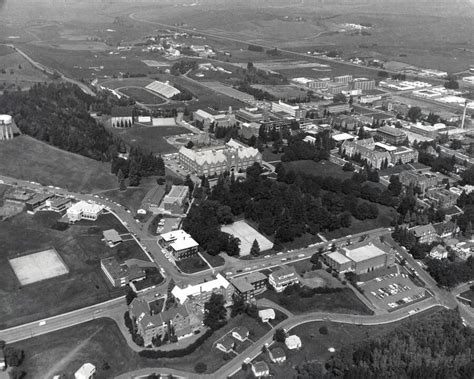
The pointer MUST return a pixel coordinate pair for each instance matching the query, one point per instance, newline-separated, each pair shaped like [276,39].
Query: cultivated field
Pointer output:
[80,248]
[247,235]
[283,91]
[29,159]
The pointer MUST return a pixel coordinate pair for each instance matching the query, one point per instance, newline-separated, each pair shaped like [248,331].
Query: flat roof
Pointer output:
[343,137]
[338,257]
[385,146]
[364,252]
[112,235]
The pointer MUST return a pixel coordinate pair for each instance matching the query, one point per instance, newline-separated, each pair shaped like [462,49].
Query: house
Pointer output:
[277,355]
[283,277]
[266,314]
[293,342]
[425,233]
[447,229]
[225,344]
[249,285]
[240,333]
[439,252]
[111,237]
[180,244]
[86,371]
[260,369]
[121,274]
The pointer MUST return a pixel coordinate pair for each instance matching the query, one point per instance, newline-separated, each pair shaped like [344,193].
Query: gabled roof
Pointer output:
[278,352]
[122,112]
[242,331]
[423,230]
[227,342]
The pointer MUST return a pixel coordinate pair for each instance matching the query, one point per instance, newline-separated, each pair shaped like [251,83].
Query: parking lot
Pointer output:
[392,291]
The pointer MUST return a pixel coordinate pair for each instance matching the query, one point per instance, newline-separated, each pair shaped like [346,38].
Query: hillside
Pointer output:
[27,158]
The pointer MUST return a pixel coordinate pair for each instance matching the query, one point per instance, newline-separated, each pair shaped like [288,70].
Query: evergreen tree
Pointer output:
[255,249]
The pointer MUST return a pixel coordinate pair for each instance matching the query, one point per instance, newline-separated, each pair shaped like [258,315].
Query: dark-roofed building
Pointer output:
[447,229]
[442,197]
[365,150]
[249,130]
[225,344]
[37,201]
[60,204]
[120,274]
[391,135]
[241,333]
[260,369]
[425,233]
[122,117]
[277,355]
[419,179]
[112,238]
[148,325]
[247,286]
[176,199]
[334,108]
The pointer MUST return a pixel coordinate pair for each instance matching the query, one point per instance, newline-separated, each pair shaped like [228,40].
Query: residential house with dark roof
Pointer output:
[447,229]
[241,333]
[249,285]
[225,344]
[277,355]
[425,233]
[260,369]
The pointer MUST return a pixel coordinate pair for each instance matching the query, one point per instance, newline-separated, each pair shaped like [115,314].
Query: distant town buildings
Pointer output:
[360,258]
[233,157]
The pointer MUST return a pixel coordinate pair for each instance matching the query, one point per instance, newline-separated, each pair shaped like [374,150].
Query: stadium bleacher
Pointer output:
[163,89]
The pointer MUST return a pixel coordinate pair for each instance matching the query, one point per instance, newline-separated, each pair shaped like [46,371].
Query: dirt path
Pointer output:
[69,356]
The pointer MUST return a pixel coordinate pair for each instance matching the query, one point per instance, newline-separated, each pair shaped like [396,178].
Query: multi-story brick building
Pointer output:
[392,135]
[247,286]
[232,157]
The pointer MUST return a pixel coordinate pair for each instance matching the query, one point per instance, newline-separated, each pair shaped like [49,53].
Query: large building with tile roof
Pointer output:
[231,157]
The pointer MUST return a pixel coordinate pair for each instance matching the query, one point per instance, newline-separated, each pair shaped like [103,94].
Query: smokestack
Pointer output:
[464,114]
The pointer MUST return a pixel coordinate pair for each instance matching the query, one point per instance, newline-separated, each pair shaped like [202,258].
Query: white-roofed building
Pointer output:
[266,314]
[200,293]
[293,342]
[163,89]
[360,258]
[231,157]
[86,371]
[180,244]
[84,210]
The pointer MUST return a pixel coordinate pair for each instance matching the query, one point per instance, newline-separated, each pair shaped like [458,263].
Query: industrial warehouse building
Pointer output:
[360,258]
[232,157]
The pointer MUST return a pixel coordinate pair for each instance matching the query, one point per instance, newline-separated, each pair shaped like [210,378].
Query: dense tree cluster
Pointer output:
[298,149]
[255,92]
[59,115]
[449,274]
[439,347]
[465,220]
[215,314]
[203,222]
[183,66]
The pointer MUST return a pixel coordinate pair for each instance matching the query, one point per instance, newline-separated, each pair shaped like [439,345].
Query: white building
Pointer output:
[201,292]
[86,371]
[293,342]
[266,314]
[180,244]
[282,278]
[292,110]
[6,127]
[84,210]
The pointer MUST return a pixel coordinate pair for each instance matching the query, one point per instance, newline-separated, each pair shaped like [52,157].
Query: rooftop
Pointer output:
[182,294]
[392,131]
[112,235]
[339,258]
[365,252]
[122,112]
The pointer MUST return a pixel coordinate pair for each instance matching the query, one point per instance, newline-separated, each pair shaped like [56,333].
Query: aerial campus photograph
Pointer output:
[236,189]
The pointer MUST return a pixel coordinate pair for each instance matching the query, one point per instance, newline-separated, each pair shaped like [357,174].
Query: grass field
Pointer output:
[80,248]
[150,138]
[315,345]
[142,95]
[132,197]
[101,341]
[339,302]
[322,168]
[29,159]
[247,236]
[196,263]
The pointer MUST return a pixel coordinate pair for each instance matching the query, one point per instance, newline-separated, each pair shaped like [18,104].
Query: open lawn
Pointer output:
[315,345]
[79,247]
[132,197]
[150,138]
[26,158]
[342,301]
[322,168]
[101,341]
[196,263]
